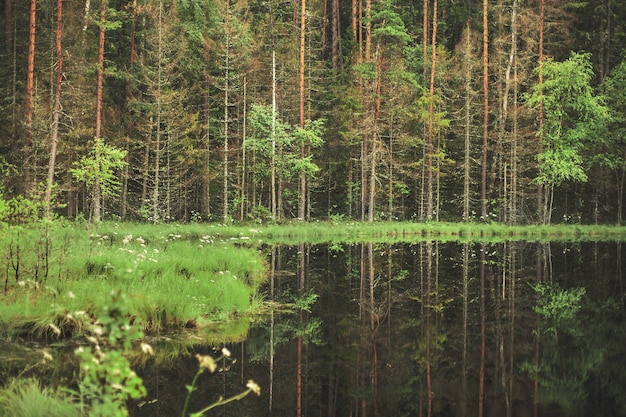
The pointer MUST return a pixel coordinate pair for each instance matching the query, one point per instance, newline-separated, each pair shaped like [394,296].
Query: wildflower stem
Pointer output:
[221,401]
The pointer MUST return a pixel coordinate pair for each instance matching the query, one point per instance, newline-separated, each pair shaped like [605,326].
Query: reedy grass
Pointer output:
[170,282]
[26,398]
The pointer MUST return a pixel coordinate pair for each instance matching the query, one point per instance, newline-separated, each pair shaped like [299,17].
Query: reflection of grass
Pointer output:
[170,283]
[356,231]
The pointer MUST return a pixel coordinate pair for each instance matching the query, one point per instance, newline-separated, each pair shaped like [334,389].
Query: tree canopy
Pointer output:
[201,107]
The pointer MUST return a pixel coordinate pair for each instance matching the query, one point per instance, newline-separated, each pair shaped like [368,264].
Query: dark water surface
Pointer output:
[508,329]
[393,322]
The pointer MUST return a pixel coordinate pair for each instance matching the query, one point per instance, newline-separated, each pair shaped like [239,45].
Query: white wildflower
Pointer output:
[206,362]
[254,387]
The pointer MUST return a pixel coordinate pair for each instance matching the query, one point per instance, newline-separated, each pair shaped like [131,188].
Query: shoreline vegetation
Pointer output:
[55,275]
[186,275]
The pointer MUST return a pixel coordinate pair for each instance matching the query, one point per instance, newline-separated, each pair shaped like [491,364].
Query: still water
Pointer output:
[441,329]
[413,329]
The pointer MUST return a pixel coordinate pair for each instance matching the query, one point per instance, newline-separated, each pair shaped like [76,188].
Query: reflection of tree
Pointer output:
[372,312]
[576,341]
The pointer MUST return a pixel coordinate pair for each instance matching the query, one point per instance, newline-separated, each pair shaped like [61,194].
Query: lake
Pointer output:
[507,329]
[407,329]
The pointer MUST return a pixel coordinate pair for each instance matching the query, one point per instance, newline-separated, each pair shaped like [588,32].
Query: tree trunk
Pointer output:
[86,19]
[431,116]
[225,202]
[374,136]
[129,124]
[483,190]
[273,182]
[97,193]
[423,186]
[334,44]
[512,195]
[156,196]
[302,194]
[467,155]
[30,75]
[540,190]
[206,200]
[354,20]
[146,172]
[8,25]
[57,107]
[243,197]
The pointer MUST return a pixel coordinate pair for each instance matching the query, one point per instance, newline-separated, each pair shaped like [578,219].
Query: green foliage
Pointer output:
[610,151]
[388,24]
[560,165]
[20,211]
[173,281]
[558,307]
[574,117]
[99,168]
[107,380]
[277,143]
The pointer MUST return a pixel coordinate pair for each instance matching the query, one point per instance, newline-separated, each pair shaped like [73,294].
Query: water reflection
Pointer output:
[422,329]
[443,329]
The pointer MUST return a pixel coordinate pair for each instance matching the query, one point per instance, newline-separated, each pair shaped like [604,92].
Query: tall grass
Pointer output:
[26,398]
[171,283]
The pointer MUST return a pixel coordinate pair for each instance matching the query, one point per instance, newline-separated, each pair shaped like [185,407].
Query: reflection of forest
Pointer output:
[423,329]
[397,320]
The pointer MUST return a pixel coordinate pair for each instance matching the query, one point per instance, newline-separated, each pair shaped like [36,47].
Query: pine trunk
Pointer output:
[540,190]
[483,190]
[56,110]
[225,191]
[431,116]
[8,25]
[97,193]
[467,154]
[302,194]
[30,75]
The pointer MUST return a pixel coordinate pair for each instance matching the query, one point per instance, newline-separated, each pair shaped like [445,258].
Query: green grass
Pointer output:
[26,398]
[171,283]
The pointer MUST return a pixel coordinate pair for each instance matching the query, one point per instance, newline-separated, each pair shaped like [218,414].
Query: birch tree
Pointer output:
[574,115]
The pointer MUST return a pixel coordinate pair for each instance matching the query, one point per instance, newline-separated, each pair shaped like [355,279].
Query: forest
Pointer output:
[266,110]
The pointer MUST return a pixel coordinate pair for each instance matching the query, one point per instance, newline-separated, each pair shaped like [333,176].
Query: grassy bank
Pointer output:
[55,278]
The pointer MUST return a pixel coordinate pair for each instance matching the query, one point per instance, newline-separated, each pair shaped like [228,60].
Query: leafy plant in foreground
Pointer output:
[107,379]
